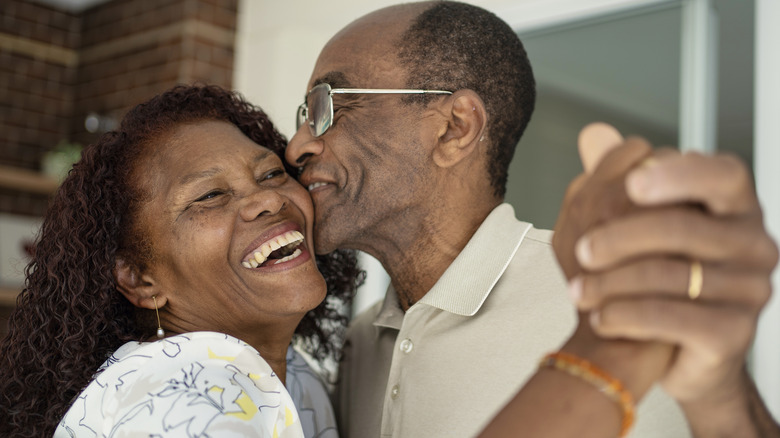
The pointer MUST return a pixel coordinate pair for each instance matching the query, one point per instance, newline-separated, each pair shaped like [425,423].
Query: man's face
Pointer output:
[365,172]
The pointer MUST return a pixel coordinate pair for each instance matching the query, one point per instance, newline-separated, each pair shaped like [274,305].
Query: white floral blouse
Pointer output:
[200,384]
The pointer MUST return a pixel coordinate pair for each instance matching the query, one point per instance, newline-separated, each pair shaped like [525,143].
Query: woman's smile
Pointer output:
[280,249]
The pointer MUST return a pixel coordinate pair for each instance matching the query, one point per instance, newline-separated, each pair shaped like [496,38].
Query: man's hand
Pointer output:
[628,235]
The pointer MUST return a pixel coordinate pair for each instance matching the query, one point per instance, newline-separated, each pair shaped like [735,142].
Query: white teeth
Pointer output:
[260,255]
[315,185]
[289,257]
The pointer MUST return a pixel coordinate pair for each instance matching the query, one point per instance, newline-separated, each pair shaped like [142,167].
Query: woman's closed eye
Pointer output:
[210,195]
[275,173]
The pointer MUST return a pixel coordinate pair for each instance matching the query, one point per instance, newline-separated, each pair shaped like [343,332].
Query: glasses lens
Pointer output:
[320,114]
[301,116]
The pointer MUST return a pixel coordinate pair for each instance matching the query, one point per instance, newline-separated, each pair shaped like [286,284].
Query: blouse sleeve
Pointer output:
[189,386]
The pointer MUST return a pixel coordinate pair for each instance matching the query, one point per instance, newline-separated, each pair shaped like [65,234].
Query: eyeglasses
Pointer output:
[317,111]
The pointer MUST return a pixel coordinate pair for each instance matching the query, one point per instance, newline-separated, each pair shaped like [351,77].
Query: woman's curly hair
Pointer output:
[70,316]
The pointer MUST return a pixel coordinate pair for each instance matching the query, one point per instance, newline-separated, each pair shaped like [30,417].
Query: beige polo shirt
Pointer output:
[446,366]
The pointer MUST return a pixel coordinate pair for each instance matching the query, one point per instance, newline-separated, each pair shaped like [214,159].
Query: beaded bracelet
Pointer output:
[610,386]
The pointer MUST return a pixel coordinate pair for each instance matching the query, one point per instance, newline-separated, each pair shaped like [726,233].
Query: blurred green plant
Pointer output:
[57,162]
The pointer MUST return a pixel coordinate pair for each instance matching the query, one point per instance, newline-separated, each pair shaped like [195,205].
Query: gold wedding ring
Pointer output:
[695,280]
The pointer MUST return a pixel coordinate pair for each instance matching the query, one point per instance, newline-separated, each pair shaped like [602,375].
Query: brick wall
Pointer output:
[37,73]
[56,67]
[38,62]
[132,50]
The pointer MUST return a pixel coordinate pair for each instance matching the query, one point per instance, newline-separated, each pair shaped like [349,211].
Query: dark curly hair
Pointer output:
[455,46]
[70,316]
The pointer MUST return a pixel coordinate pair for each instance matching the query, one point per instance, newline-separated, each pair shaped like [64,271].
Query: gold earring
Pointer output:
[160,331]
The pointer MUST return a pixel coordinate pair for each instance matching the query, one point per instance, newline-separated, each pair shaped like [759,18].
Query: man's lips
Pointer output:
[314,186]
[315,180]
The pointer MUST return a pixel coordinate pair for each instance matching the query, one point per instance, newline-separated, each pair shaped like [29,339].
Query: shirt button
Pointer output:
[406,345]
[394,392]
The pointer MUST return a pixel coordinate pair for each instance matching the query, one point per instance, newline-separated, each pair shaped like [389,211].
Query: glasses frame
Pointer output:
[320,127]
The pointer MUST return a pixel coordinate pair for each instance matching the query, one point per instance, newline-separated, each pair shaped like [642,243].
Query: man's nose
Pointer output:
[302,146]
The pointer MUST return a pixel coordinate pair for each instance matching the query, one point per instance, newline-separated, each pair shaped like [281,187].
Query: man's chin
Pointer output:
[324,242]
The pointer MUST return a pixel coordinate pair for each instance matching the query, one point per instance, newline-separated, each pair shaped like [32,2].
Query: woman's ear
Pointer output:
[136,287]
[466,125]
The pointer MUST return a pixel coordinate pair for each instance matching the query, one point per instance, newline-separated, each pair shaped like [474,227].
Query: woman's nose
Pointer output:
[302,146]
[262,202]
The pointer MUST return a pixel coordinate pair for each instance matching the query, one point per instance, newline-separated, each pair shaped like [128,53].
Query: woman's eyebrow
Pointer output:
[261,155]
[194,176]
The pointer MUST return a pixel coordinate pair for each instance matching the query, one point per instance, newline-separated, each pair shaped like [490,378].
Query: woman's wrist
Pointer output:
[637,365]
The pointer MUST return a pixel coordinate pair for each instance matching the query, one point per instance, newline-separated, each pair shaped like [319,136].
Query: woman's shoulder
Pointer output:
[193,383]
[195,346]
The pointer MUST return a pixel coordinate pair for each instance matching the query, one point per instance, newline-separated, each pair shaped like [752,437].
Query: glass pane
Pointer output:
[623,70]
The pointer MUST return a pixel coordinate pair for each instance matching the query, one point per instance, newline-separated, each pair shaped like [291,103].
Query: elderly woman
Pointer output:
[173,270]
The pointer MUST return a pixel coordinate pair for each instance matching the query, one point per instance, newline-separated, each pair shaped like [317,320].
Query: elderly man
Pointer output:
[410,122]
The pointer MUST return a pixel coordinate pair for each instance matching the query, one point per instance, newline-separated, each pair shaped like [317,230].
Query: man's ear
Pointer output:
[466,125]
[135,286]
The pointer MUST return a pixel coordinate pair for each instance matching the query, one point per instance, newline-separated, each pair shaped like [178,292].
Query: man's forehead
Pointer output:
[368,66]
[363,51]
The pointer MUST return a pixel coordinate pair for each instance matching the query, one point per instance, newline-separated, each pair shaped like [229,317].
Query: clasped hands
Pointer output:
[669,251]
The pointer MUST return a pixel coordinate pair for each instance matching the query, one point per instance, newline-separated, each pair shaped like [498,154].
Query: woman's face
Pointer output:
[231,232]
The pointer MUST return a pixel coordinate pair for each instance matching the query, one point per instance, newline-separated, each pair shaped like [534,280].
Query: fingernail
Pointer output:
[583,251]
[595,319]
[575,289]
[648,162]
[637,184]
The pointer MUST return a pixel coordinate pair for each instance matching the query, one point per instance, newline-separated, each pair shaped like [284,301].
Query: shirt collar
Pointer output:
[391,315]
[467,282]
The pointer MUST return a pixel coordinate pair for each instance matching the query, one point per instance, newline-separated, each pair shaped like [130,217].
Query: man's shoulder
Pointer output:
[503,218]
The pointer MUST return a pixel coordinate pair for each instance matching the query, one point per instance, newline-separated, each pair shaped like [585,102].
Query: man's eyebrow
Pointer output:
[262,155]
[336,79]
